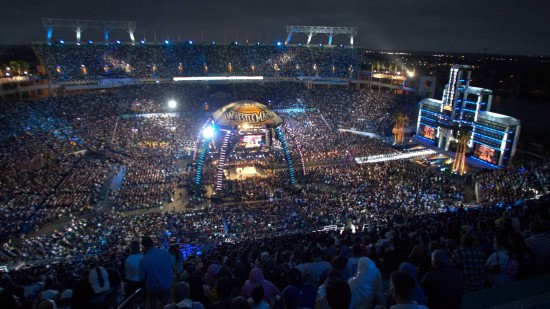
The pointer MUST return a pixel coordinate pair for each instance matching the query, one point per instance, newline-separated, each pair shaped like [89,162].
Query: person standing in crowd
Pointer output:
[539,247]
[442,283]
[314,269]
[157,272]
[338,293]
[499,263]
[366,286]
[470,262]
[257,278]
[256,300]
[308,290]
[402,290]
[419,296]
[223,289]
[181,298]
[101,288]
[132,268]
[353,262]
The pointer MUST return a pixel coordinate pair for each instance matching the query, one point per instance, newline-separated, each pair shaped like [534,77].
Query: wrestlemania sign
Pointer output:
[250,118]
[250,112]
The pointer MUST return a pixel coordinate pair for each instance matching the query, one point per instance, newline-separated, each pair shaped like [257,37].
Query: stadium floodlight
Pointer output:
[208,132]
[142,42]
[410,73]
[190,42]
[172,104]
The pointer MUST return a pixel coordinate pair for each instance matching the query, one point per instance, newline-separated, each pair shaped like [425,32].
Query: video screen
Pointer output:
[253,140]
[487,154]
[427,132]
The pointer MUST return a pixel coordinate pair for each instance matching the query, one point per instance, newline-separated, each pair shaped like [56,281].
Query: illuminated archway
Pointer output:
[236,120]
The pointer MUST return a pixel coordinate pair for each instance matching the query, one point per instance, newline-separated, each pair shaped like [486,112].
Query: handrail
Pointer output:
[130,301]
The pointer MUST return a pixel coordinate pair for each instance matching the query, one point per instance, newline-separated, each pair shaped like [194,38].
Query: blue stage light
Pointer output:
[208,132]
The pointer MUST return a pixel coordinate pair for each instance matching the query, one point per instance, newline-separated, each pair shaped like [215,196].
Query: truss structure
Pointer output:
[80,26]
[331,32]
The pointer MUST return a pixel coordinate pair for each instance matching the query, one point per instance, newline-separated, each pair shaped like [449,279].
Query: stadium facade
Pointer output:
[463,108]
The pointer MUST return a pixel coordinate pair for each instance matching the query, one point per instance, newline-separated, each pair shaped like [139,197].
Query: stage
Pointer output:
[243,172]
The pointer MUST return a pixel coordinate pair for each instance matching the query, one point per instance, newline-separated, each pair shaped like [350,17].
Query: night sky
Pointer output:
[506,26]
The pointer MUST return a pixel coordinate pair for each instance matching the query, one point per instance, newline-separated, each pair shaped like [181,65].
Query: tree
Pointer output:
[15,67]
[18,66]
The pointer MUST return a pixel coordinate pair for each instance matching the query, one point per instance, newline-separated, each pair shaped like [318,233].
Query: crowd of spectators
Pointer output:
[57,152]
[446,254]
[56,161]
[90,61]
[514,184]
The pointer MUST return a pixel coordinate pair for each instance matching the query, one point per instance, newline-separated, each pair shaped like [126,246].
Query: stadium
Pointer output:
[244,158]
